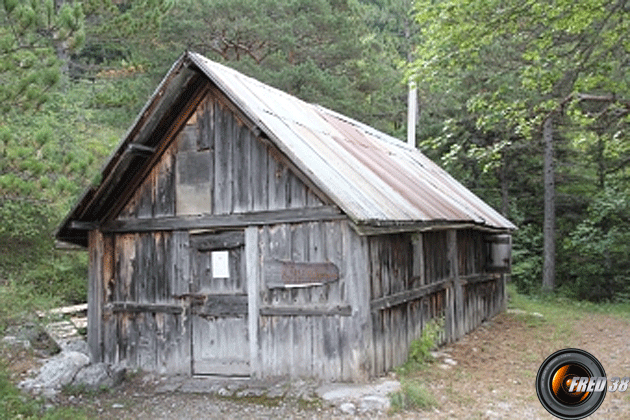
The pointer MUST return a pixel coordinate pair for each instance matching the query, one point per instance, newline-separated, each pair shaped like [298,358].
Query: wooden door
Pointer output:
[219,305]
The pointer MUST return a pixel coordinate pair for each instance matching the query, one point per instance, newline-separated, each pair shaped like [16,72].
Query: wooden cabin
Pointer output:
[239,231]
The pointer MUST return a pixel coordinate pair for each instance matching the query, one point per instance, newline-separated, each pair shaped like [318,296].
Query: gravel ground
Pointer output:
[497,366]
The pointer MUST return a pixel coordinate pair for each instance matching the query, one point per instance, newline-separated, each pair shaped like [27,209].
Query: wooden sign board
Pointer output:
[287,274]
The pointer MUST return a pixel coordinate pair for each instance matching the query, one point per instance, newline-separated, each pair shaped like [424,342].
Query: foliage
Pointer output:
[47,159]
[412,395]
[54,135]
[420,349]
[493,70]
[33,34]
[600,249]
[16,405]
[321,51]
[527,258]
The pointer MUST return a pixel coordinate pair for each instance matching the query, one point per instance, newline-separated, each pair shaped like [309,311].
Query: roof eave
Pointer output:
[140,131]
[381,227]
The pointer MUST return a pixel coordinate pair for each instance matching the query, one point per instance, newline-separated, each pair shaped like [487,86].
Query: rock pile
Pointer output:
[71,367]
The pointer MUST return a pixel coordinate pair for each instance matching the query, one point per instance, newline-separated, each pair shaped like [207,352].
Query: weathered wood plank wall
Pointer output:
[144,323]
[218,166]
[415,278]
[306,331]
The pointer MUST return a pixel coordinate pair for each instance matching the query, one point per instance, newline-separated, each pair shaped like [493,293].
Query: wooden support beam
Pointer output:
[252,270]
[134,307]
[306,310]
[457,309]
[409,295]
[79,225]
[239,220]
[95,295]
[140,149]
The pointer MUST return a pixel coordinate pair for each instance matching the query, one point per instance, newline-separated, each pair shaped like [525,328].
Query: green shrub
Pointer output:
[420,349]
[527,260]
[412,395]
[596,259]
[63,275]
[16,405]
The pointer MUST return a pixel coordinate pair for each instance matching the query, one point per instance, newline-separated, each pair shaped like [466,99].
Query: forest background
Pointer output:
[525,102]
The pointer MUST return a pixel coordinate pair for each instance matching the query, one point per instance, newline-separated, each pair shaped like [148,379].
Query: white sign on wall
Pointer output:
[220,264]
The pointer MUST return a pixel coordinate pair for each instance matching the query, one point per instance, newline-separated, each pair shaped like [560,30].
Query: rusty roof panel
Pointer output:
[373,177]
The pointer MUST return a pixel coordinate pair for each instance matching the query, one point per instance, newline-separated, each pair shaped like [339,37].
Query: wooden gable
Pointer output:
[219,165]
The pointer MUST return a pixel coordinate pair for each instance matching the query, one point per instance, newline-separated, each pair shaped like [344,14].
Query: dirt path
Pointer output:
[493,379]
[498,363]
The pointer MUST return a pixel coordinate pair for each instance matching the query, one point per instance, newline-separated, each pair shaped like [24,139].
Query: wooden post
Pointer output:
[252,270]
[95,295]
[458,295]
[417,269]
[504,279]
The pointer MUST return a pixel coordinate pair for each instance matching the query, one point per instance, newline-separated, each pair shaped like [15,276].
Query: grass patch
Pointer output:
[412,395]
[85,391]
[311,404]
[16,405]
[18,303]
[551,305]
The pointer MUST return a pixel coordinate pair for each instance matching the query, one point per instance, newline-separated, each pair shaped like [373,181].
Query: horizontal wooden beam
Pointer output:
[239,220]
[222,240]
[222,305]
[135,307]
[479,278]
[79,225]
[306,310]
[408,295]
[419,292]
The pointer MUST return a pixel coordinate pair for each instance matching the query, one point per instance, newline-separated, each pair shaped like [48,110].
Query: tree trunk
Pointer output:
[549,223]
[505,200]
[601,165]
[61,46]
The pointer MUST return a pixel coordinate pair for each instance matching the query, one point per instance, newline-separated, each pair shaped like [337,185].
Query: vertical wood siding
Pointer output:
[148,269]
[217,165]
[417,278]
[326,345]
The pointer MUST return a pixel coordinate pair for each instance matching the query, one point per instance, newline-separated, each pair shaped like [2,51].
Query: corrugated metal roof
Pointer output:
[380,182]
[374,178]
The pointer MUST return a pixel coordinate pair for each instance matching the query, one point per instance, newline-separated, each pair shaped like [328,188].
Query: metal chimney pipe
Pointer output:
[412,113]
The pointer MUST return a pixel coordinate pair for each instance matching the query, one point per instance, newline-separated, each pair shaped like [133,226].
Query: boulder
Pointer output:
[374,403]
[99,375]
[57,372]
[78,345]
